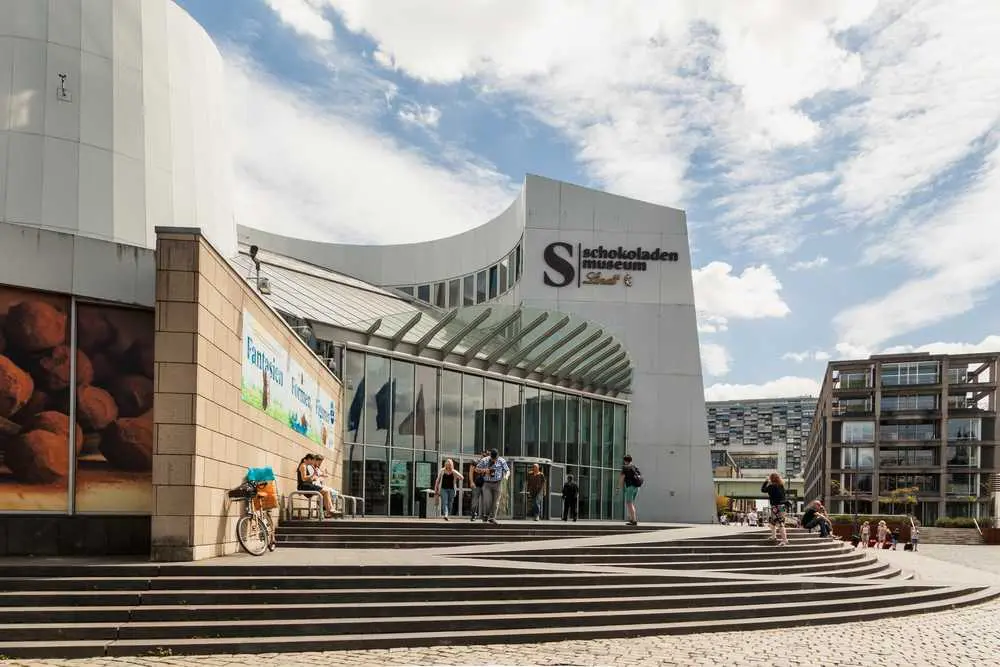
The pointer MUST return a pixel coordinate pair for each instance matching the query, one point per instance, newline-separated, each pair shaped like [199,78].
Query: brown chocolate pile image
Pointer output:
[114,392]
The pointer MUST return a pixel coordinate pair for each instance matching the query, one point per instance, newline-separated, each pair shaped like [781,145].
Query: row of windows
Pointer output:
[863,458]
[905,402]
[472,289]
[956,484]
[903,374]
[864,431]
[399,403]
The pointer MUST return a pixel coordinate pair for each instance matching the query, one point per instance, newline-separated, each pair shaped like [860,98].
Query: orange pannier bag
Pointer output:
[267,496]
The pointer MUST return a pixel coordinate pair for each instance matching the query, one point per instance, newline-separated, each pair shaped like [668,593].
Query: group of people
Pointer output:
[310,477]
[487,474]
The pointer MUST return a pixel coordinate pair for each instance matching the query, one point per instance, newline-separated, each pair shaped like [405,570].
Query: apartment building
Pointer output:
[907,421]
[762,435]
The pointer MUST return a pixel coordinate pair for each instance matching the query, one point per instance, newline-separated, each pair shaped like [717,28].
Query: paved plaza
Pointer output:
[967,636]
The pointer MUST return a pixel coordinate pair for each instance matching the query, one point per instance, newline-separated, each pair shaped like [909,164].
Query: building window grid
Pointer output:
[378,479]
[478,287]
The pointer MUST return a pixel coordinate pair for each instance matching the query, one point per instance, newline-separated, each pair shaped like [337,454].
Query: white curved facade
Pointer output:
[112,121]
[649,307]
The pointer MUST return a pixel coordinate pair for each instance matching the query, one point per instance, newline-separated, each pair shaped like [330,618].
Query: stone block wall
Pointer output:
[206,436]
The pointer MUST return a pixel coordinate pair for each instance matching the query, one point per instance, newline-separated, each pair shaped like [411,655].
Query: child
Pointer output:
[914,536]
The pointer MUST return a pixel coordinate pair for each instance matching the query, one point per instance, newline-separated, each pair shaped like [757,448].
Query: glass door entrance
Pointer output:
[520,505]
[556,478]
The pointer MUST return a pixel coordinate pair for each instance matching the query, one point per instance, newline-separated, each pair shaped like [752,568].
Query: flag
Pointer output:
[415,423]
[383,405]
[357,407]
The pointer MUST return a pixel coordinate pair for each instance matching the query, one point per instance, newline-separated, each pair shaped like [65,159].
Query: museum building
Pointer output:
[151,350]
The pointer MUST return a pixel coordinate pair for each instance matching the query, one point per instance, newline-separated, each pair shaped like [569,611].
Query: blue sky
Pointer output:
[838,160]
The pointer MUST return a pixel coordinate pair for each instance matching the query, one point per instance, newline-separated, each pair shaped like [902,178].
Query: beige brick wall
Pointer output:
[206,436]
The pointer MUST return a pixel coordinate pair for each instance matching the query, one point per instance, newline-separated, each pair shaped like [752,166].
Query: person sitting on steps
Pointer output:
[815,515]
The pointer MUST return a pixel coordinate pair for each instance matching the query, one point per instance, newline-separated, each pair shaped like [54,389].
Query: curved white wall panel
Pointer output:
[136,137]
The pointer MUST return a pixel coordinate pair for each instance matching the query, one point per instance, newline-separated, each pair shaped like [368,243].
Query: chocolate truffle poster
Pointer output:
[34,416]
[114,409]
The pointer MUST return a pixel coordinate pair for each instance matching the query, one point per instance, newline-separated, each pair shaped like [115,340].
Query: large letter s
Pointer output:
[560,264]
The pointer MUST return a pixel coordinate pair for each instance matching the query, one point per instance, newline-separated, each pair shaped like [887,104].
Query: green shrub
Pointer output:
[890,519]
[955,522]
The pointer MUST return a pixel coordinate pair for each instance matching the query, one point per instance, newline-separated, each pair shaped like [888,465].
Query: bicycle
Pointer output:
[255,529]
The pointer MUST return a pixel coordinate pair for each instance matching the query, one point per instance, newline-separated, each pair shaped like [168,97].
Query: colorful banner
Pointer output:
[265,371]
[278,385]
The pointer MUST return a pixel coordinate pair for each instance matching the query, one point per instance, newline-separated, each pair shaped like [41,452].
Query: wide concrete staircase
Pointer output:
[559,590]
[932,535]
[434,533]
[746,553]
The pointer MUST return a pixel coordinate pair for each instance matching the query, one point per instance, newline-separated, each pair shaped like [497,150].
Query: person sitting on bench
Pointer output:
[815,515]
[308,480]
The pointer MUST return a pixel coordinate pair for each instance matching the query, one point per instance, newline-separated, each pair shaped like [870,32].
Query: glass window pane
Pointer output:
[455,293]
[559,429]
[468,290]
[451,412]
[585,431]
[572,430]
[585,495]
[607,436]
[440,295]
[596,431]
[531,421]
[517,271]
[512,436]
[481,287]
[401,482]
[424,424]
[512,269]
[354,384]
[503,275]
[408,290]
[424,293]
[472,414]
[494,282]
[376,481]
[402,403]
[545,426]
[378,400]
[619,439]
[493,413]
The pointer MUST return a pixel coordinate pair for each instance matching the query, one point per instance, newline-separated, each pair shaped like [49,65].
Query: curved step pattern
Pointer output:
[59,611]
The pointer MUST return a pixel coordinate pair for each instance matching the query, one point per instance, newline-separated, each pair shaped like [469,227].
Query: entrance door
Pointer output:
[556,477]
[520,502]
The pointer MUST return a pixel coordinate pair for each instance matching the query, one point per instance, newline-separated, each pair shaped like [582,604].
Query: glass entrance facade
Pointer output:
[403,417]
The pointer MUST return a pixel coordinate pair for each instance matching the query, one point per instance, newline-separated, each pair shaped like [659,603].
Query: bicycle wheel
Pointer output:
[272,541]
[252,533]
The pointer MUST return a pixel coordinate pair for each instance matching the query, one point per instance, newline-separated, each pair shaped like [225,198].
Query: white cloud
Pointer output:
[786,386]
[318,172]
[801,357]
[990,344]
[721,295]
[715,359]
[426,116]
[807,265]
[953,252]
[932,95]
[303,16]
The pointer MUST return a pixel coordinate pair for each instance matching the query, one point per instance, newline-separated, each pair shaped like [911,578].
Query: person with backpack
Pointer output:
[630,480]
[774,487]
[570,496]
[478,482]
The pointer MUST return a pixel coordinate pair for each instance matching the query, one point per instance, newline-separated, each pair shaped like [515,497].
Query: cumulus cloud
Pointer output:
[320,173]
[303,16]
[715,359]
[808,265]
[782,387]
[990,344]
[721,295]
[426,116]
[800,357]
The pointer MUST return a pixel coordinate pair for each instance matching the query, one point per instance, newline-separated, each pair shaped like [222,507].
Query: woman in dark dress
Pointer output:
[774,487]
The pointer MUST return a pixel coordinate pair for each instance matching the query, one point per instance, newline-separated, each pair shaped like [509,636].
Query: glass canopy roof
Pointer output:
[545,344]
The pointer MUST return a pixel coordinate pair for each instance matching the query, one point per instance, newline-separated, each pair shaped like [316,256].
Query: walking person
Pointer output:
[914,534]
[774,487]
[536,490]
[570,496]
[445,486]
[494,470]
[478,480]
[866,534]
[630,479]
[881,535]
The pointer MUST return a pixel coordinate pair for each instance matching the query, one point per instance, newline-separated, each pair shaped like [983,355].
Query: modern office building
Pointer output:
[761,435]
[562,332]
[143,369]
[907,421]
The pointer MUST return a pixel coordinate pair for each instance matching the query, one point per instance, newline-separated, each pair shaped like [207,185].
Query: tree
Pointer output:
[906,496]
[835,487]
[721,504]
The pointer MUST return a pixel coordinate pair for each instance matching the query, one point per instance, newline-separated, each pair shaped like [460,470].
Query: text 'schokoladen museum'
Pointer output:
[151,349]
